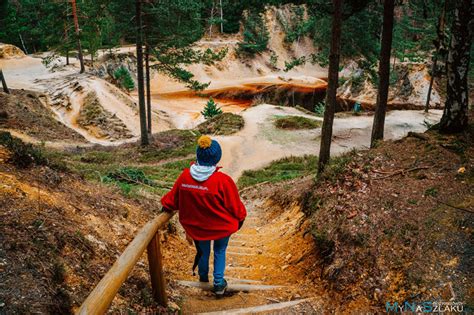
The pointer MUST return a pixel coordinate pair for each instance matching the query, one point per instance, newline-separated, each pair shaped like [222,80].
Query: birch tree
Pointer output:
[455,118]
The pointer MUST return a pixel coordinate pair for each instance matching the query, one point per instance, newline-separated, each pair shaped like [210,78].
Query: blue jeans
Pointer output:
[220,247]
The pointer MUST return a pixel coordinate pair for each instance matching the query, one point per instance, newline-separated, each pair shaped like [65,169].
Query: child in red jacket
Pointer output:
[209,209]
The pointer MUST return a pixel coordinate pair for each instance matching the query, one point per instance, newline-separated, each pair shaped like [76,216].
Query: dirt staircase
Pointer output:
[250,260]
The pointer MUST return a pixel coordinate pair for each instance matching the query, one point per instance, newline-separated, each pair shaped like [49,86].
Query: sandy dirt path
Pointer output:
[263,254]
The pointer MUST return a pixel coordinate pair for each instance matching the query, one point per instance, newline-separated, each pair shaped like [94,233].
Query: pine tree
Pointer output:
[122,75]
[78,35]
[256,35]
[141,89]
[440,50]
[168,43]
[211,109]
[384,72]
[333,74]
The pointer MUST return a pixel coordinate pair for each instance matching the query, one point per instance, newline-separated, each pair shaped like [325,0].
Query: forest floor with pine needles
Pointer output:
[393,223]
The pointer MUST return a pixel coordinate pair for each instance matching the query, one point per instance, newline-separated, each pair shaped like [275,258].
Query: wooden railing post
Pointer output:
[155,263]
[100,298]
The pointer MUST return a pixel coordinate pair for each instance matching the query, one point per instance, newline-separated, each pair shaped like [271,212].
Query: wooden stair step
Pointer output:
[232,287]
[237,280]
[258,309]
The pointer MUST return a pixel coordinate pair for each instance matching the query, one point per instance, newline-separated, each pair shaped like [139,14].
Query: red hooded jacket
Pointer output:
[208,210]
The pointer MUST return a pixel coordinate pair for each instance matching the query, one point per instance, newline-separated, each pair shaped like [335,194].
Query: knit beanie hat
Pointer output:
[208,151]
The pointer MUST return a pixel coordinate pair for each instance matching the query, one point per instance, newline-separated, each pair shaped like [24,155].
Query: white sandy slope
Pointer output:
[30,73]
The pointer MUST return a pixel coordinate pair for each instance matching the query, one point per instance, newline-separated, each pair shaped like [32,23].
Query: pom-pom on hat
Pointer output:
[208,151]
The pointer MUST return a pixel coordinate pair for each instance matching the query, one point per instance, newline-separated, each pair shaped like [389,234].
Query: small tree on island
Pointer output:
[211,109]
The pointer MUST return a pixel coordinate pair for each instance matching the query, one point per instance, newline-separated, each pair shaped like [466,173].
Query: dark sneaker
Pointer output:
[203,279]
[219,289]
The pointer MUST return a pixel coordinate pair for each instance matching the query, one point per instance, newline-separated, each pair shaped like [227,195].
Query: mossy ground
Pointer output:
[296,122]
[281,170]
[162,161]
[222,125]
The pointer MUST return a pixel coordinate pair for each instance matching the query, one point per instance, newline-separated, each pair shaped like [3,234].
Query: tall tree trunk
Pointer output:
[455,117]
[439,44]
[66,39]
[23,43]
[430,87]
[148,90]
[76,27]
[212,20]
[141,92]
[66,35]
[333,78]
[222,17]
[4,83]
[384,72]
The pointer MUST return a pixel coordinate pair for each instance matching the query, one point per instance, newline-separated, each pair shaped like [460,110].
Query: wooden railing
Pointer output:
[148,238]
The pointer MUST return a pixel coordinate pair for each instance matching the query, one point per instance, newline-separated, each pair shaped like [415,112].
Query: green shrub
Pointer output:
[123,77]
[23,154]
[432,192]
[298,25]
[295,62]
[274,60]
[128,175]
[357,82]
[319,109]
[211,109]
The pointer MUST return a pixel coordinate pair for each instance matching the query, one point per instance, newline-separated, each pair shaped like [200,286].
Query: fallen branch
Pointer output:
[254,186]
[454,207]
[401,171]
[417,135]
[348,136]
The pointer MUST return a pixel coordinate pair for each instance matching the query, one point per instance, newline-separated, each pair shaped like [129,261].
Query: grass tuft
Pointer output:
[296,122]
[284,169]
[223,124]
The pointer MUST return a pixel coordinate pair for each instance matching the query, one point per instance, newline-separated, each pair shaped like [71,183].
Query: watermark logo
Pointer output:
[425,307]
